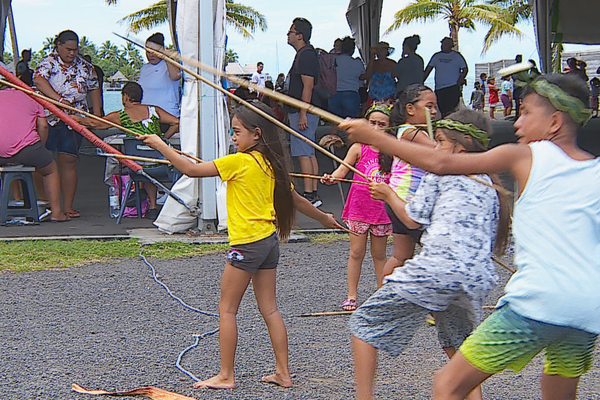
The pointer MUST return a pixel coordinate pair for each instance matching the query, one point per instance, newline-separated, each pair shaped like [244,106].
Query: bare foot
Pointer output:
[216,382]
[73,214]
[277,379]
[61,218]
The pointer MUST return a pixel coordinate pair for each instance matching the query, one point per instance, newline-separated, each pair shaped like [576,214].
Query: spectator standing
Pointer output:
[379,74]
[280,82]
[494,98]
[160,80]
[100,75]
[259,77]
[346,101]
[409,69]
[483,82]
[477,97]
[67,78]
[303,76]
[506,95]
[25,73]
[450,72]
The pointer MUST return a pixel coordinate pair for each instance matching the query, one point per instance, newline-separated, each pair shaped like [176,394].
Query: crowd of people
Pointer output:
[434,187]
[69,78]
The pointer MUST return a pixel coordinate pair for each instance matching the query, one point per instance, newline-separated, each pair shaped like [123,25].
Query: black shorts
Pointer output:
[447,99]
[35,155]
[399,228]
[250,257]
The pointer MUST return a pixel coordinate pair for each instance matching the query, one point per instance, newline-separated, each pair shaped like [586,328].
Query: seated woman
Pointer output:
[23,133]
[141,118]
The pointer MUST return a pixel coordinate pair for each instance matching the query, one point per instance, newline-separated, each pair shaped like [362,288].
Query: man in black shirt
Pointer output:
[303,77]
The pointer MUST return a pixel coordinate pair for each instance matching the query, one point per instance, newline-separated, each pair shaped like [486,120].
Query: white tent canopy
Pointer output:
[572,21]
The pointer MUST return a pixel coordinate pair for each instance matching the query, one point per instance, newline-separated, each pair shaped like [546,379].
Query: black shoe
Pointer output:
[151,213]
[316,201]
[131,198]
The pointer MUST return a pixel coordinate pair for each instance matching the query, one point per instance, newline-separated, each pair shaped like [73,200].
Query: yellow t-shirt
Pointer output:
[250,191]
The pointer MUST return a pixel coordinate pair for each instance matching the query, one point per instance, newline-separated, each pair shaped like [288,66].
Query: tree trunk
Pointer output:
[454,35]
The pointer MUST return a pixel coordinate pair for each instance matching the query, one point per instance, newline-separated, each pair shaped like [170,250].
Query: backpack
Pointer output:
[327,83]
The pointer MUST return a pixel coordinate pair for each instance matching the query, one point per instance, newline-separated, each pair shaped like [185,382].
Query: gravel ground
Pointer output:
[112,327]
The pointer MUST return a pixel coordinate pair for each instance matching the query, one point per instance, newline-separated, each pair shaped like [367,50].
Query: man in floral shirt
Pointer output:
[65,77]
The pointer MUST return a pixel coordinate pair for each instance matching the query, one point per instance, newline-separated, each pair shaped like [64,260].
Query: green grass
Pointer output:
[31,255]
[327,237]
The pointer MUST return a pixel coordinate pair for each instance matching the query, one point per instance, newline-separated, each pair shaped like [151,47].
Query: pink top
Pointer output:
[18,113]
[359,205]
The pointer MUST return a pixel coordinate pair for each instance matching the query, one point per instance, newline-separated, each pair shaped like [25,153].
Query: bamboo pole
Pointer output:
[326,313]
[87,114]
[291,101]
[498,188]
[321,177]
[506,267]
[136,158]
[166,56]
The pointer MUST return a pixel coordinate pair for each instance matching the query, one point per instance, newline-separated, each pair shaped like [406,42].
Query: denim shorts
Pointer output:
[387,321]
[507,340]
[63,140]
[299,148]
[250,257]
[345,104]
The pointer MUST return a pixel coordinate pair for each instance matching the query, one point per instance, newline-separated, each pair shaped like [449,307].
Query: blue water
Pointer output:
[112,101]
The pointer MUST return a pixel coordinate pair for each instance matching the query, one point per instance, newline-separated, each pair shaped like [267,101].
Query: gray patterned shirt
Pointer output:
[460,217]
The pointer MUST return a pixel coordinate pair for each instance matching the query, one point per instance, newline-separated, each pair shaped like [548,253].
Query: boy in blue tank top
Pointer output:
[552,302]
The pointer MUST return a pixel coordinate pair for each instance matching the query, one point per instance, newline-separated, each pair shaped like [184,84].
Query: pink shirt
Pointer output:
[18,113]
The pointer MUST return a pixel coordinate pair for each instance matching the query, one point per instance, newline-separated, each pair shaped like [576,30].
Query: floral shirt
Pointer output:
[72,82]
[455,266]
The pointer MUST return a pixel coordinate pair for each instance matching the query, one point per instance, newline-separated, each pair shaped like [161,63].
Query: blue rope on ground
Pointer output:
[197,337]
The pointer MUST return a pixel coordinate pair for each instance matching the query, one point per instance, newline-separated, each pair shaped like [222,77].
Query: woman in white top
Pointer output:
[159,79]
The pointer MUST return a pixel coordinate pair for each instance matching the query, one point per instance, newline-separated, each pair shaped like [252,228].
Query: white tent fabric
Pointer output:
[195,130]
[364,17]
[573,21]
[4,7]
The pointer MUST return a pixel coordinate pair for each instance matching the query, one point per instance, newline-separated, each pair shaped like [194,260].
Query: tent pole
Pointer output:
[13,37]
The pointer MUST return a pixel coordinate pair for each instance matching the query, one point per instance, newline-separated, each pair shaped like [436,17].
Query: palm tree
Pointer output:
[47,46]
[244,19]
[87,47]
[231,56]
[460,14]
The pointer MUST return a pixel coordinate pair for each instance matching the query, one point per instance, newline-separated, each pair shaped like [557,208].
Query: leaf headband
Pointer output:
[562,101]
[469,129]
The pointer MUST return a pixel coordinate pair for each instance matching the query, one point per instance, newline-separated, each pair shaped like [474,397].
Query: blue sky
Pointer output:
[37,19]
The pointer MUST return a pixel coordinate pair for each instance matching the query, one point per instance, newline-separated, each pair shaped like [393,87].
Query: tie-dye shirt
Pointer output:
[71,81]
[405,178]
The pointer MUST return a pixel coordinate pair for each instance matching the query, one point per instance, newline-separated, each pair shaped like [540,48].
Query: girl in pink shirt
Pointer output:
[361,213]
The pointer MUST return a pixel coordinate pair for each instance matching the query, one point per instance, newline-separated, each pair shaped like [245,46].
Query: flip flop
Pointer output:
[55,221]
[349,305]
[73,214]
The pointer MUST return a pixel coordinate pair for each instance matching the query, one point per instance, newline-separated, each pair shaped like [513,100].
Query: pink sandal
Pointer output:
[349,305]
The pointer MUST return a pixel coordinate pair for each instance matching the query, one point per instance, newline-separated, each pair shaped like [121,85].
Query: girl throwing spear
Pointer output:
[260,210]
[552,302]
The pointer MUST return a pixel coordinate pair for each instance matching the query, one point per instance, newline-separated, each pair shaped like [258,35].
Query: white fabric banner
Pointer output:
[174,217]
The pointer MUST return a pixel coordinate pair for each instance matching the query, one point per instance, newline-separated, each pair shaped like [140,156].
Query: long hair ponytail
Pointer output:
[271,146]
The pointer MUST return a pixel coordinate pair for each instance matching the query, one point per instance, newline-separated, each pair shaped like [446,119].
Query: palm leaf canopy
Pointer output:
[244,19]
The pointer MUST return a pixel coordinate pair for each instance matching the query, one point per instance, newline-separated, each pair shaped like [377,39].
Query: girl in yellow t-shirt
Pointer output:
[260,210]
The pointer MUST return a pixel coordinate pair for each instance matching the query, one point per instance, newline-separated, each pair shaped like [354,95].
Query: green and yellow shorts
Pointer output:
[506,340]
